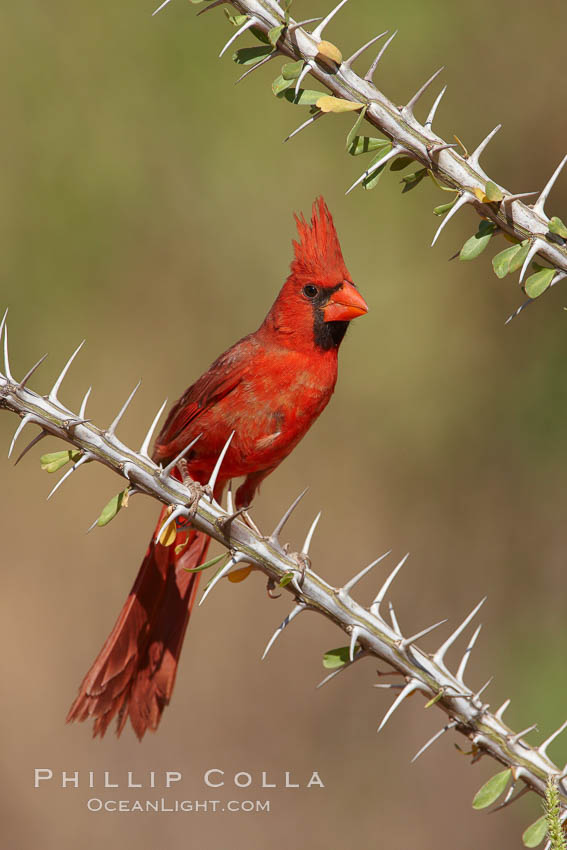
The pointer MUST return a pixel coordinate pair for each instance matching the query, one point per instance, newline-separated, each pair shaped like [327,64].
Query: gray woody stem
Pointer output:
[456,171]
[368,632]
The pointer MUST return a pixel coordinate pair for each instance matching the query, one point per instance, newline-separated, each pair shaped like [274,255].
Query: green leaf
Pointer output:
[279,85]
[250,55]
[205,566]
[285,579]
[260,35]
[414,179]
[365,144]
[292,70]
[336,657]
[274,34]
[501,262]
[444,208]
[535,833]
[401,162]
[305,97]
[111,509]
[236,20]
[477,243]
[352,136]
[492,192]
[55,460]
[492,789]
[537,283]
[556,226]
[518,259]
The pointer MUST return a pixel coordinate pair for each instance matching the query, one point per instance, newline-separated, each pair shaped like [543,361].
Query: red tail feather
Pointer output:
[134,673]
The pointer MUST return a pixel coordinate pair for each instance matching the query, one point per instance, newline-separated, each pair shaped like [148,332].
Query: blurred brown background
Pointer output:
[147,206]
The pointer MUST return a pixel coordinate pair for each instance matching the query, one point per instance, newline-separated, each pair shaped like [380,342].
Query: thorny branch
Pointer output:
[459,171]
[369,633]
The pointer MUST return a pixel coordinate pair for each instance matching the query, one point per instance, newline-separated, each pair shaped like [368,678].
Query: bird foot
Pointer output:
[270,587]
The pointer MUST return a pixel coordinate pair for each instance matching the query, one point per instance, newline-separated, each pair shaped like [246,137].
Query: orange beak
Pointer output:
[345,304]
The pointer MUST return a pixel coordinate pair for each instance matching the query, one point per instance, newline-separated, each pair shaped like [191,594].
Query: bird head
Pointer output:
[319,298]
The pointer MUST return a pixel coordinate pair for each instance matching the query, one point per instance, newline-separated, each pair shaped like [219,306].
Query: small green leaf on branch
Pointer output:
[444,208]
[336,657]
[556,226]
[492,789]
[236,20]
[353,133]
[250,55]
[535,833]
[111,509]
[292,70]
[493,193]
[304,97]
[274,34]
[55,460]
[204,566]
[414,179]
[280,85]
[365,144]
[537,283]
[285,579]
[477,243]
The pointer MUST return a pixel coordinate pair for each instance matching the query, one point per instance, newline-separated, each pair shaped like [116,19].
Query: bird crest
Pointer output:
[317,252]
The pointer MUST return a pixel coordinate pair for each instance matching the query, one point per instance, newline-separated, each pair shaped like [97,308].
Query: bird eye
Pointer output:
[310,291]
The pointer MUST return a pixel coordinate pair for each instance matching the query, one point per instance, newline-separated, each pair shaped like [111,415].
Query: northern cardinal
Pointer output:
[268,388]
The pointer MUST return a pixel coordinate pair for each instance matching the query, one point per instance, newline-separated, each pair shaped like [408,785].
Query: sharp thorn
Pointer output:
[293,26]
[433,110]
[375,607]
[410,688]
[480,692]
[229,499]
[474,157]
[257,65]
[159,8]
[371,71]
[543,747]
[408,641]
[57,386]
[396,150]
[361,654]
[509,799]
[29,446]
[499,714]
[432,740]
[509,198]
[438,148]
[83,409]
[467,654]
[355,634]
[69,472]
[520,309]
[318,31]
[514,739]
[3,323]
[461,201]
[28,375]
[27,418]
[346,588]
[394,620]
[7,372]
[348,62]
[235,559]
[293,613]
[408,108]
[310,533]
[539,206]
[388,685]
[304,71]
[249,23]
[274,536]
[167,470]
[146,444]
[214,475]
[440,654]
[180,510]
[305,124]
[534,248]
[111,430]
[210,6]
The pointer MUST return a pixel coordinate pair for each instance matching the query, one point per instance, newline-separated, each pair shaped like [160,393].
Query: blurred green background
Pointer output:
[147,205]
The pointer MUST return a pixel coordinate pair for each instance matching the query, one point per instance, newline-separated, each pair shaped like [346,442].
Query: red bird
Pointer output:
[268,388]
